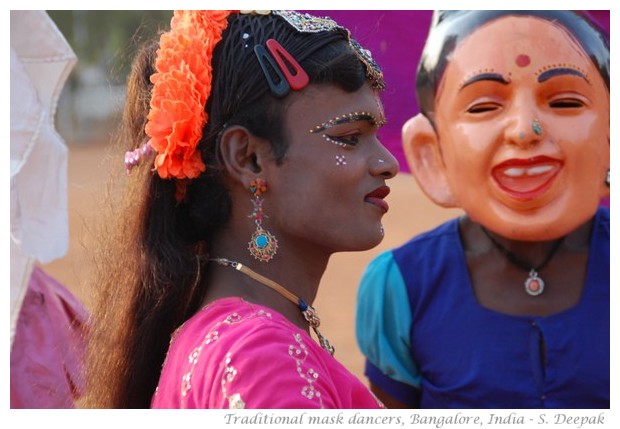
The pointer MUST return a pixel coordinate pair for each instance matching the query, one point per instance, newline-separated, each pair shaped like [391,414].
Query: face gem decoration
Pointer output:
[331,140]
[345,119]
[341,160]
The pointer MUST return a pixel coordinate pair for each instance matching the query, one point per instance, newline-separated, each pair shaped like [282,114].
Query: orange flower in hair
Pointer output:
[181,87]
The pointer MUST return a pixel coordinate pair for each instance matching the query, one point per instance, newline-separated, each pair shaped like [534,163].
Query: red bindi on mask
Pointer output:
[523,60]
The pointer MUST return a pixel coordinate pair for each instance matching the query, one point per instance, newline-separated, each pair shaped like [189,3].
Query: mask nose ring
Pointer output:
[536,127]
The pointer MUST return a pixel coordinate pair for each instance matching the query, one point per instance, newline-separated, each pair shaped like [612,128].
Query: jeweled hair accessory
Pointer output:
[306,23]
[181,88]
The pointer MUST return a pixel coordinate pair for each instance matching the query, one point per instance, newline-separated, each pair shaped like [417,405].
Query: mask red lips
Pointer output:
[377,196]
[526,179]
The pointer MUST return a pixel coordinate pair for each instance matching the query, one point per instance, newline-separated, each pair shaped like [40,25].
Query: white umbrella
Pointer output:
[41,60]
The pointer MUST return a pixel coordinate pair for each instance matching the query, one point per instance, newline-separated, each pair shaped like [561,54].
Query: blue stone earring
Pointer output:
[263,245]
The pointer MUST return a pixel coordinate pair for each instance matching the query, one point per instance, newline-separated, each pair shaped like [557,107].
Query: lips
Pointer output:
[377,196]
[527,179]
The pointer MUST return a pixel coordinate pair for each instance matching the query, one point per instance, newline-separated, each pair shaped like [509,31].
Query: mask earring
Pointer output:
[607,178]
[263,245]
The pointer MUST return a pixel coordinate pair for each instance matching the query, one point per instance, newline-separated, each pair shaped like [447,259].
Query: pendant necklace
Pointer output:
[308,311]
[534,284]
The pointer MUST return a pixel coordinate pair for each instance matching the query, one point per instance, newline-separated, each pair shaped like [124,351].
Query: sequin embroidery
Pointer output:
[299,352]
[228,376]
[210,338]
[217,368]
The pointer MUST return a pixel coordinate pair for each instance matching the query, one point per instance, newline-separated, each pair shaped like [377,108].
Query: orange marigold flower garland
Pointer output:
[181,87]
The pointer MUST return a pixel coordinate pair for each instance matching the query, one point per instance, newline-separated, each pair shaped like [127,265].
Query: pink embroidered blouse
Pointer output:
[235,354]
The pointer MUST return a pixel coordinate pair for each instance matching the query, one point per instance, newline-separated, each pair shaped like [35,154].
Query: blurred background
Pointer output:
[104,42]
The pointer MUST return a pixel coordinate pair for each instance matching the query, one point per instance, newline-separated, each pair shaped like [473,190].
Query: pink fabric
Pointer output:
[234,354]
[48,350]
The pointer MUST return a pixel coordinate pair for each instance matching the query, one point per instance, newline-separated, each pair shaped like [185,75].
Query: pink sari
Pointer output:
[235,354]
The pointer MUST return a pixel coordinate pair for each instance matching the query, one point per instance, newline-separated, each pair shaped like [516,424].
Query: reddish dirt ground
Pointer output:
[411,212]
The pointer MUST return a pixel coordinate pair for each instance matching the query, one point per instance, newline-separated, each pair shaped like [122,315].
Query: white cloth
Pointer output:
[41,60]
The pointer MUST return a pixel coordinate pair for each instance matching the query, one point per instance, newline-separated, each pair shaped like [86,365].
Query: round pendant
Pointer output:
[534,285]
[263,246]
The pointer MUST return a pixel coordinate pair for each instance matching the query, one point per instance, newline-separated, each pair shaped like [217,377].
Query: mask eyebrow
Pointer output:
[561,71]
[345,119]
[495,77]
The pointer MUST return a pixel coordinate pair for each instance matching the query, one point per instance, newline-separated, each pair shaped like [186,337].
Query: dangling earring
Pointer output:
[607,178]
[263,245]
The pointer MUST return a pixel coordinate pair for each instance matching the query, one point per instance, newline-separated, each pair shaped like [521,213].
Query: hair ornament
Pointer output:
[295,75]
[281,70]
[276,80]
[134,157]
[306,23]
[181,88]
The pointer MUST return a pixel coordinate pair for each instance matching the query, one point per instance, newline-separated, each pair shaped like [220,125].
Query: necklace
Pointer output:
[534,284]
[308,311]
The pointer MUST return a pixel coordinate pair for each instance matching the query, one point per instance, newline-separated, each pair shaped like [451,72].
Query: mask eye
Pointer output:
[482,108]
[567,103]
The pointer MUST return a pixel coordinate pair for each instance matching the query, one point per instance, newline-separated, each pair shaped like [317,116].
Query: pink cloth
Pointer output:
[47,353]
[235,354]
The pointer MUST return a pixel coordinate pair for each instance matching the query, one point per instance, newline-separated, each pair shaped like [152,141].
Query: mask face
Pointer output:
[522,120]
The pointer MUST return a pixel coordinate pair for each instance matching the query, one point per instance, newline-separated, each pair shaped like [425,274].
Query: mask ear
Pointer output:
[421,147]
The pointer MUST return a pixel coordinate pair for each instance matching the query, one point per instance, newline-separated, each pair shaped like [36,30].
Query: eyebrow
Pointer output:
[495,77]
[345,119]
[561,71]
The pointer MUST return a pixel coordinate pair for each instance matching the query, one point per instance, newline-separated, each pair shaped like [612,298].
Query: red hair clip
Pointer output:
[296,76]
[276,59]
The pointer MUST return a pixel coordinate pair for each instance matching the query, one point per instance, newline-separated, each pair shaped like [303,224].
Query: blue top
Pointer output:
[429,343]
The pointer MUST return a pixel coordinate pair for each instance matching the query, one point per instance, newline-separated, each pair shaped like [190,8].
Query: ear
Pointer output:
[242,154]
[421,147]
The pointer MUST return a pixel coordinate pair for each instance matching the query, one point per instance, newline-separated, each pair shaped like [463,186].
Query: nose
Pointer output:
[385,164]
[524,127]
